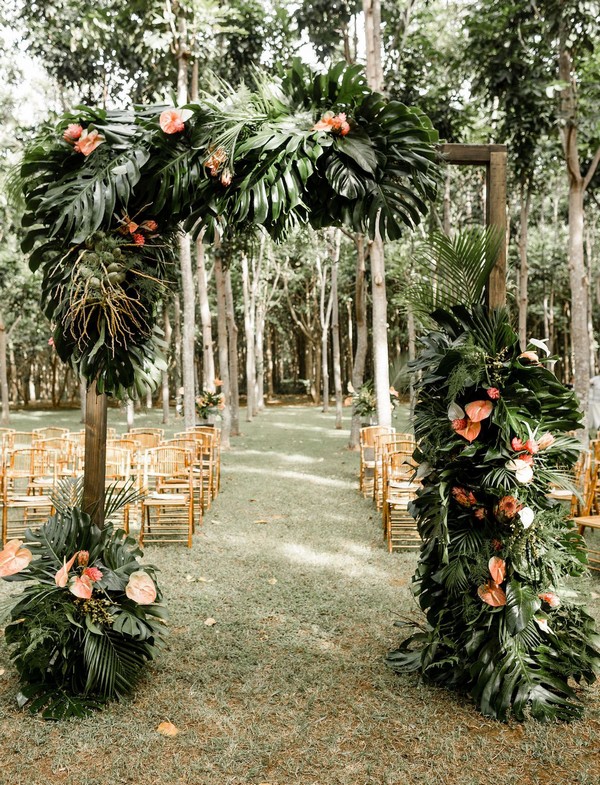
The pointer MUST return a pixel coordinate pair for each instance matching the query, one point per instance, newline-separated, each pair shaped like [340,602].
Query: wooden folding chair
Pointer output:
[215,485]
[26,489]
[367,456]
[385,444]
[399,527]
[587,520]
[51,432]
[204,475]
[169,495]
[118,476]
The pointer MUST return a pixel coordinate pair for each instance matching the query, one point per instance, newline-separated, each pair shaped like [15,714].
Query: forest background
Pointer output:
[295,317]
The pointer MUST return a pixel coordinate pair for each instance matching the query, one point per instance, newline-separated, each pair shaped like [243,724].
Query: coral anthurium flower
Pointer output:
[493,393]
[470,432]
[93,573]
[492,594]
[13,558]
[497,568]
[171,121]
[81,587]
[550,598]
[72,133]
[545,441]
[141,588]
[88,141]
[62,576]
[517,444]
[479,410]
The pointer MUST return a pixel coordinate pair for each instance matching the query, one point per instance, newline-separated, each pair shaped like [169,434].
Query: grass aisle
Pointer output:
[288,686]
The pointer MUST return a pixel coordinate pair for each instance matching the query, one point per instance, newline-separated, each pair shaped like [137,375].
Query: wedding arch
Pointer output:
[107,192]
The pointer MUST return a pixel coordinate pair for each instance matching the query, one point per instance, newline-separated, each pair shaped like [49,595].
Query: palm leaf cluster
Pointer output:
[73,655]
[246,157]
[521,656]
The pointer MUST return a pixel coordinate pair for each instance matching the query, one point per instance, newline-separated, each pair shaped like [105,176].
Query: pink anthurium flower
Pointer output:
[171,121]
[470,431]
[141,588]
[62,576]
[88,141]
[479,410]
[13,558]
[492,594]
[497,567]
[81,586]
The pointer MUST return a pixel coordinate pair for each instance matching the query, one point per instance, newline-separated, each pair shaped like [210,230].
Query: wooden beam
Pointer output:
[94,481]
[496,216]
[472,154]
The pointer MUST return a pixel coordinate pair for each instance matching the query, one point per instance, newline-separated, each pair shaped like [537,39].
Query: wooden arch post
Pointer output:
[94,477]
[494,158]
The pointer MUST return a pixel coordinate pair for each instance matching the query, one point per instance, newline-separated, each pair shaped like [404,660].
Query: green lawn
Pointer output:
[288,687]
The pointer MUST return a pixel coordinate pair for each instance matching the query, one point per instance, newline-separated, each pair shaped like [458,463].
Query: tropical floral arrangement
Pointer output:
[301,148]
[88,619]
[364,400]
[209,404]
[491,424]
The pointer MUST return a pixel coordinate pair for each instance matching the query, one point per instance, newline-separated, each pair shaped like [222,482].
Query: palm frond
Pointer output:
[454,270]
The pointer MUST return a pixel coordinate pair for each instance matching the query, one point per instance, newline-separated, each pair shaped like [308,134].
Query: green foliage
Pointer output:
[75,653]
[243,158]
[454,269]
[495,636]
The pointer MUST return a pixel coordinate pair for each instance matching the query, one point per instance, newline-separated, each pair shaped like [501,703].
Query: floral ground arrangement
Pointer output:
[288,685]
[490,423]
[88,619]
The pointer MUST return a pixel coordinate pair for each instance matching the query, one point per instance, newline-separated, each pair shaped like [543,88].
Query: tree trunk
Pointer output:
[525,199]
[94,481]
[165,374]
[177,364]
[185,255]
[208,358]
[335,337]
[223,348]
[270,365]
[14,387]
[188,332]
[372,12]
[362,334]
[325,314]
[149,401]
[232,333]
[412,353]
[260,356]
[380,334]
[3,375]
[250,346]
[82,397]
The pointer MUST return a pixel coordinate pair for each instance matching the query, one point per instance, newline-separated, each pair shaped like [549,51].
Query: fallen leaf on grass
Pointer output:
[2,671]
[168,729]
[189,578]
[261,520]
[272,581]
[210,622]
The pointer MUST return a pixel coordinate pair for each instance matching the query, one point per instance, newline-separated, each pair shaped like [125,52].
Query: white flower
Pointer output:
[539,344]
[542,624]
[526,515]
[523,471]
[455,412]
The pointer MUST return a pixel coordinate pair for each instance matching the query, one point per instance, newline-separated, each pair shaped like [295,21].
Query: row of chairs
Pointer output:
[177,478]
[386,475]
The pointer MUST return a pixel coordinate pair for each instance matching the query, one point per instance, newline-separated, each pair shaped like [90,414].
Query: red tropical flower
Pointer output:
[138,238]
[493,393]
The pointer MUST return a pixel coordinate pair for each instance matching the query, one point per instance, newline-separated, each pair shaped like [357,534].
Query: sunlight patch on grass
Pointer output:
[315,479]
[282,456]
[340,562]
